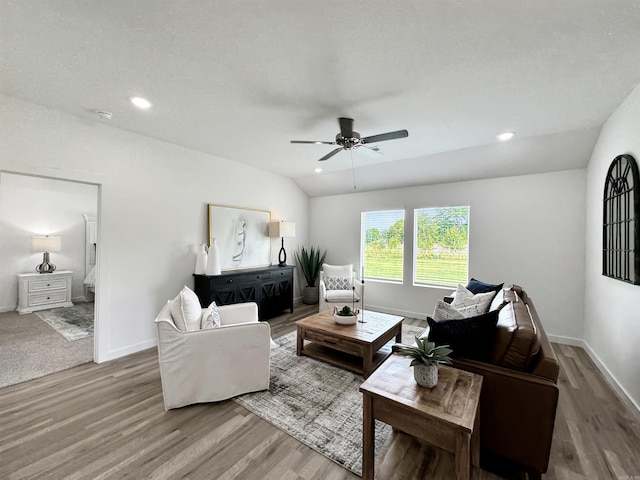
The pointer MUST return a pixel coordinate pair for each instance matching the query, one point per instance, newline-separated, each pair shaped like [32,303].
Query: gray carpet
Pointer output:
[316,403]
[73,323]
[29,348]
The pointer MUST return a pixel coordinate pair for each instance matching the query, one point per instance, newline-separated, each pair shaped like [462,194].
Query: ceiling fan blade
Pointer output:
[370,151]
[385,136]
[330,154]
[311,141]
[346,127]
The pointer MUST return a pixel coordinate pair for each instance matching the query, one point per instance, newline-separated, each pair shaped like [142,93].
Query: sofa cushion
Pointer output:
[474,304]
[476,286]
[468,338]
[335,275]
[504,296]
[346,296]
[186,310]
[338,283]
[210,317]
[444,311]
[516,341]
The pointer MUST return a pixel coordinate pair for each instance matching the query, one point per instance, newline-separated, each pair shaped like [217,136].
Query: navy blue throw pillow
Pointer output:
[468,338]
[476,286]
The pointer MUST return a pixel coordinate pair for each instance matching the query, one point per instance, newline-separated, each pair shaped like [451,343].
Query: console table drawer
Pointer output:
[47,284]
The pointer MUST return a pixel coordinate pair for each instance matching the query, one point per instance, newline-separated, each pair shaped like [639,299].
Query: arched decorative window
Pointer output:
[621,225]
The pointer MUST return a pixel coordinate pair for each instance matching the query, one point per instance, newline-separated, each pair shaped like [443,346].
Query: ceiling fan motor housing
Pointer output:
[348,142]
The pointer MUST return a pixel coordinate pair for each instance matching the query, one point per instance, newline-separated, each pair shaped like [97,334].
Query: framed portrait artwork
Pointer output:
[242,236]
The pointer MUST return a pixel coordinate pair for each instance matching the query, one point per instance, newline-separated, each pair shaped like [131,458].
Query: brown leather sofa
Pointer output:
[519,391]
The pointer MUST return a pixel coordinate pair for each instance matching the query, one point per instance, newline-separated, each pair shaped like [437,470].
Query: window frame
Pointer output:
[414,273]
[363,232]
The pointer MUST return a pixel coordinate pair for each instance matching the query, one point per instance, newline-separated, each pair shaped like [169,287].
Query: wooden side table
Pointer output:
[445,416]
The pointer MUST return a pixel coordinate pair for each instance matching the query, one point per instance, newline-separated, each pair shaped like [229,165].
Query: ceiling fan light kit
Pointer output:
[347,139]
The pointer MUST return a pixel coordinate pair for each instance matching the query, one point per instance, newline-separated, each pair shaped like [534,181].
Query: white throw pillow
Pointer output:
[337,277]
[210,317]
[444,311]
[472,304]
[186,310]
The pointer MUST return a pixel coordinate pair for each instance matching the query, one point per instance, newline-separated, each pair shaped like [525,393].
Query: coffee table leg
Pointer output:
[462,457]
[475,446]
[367,361]
[399,335]
[299,341]
[368,427]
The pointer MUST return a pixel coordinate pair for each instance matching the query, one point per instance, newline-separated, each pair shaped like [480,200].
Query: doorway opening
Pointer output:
[47,320]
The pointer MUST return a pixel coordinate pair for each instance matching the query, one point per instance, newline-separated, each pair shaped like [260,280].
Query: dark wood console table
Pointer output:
[270,287]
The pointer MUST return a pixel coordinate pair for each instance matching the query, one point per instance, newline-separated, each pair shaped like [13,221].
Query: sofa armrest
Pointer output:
[322,290]
[518,412]
[238,313]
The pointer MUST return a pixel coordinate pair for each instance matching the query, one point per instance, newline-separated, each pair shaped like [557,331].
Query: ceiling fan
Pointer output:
[349,140]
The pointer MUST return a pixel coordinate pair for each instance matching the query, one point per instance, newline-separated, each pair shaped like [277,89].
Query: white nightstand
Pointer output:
[39,291]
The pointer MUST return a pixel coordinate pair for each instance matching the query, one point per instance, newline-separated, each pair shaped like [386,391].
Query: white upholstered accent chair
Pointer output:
[336,287]
[213,364]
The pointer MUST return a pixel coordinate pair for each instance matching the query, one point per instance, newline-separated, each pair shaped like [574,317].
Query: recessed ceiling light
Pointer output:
[317,170]
[140,102]
[506,136]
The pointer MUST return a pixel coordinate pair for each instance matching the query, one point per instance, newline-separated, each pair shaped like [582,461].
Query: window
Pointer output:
[382,245]
[441,246]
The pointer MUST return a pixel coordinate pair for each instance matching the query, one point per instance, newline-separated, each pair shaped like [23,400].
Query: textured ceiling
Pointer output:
[241,79]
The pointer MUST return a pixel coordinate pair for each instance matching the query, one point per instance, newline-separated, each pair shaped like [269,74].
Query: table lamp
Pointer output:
[46,244]
[282,229]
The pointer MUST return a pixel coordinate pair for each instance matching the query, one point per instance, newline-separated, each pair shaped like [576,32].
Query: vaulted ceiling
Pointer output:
[241,79]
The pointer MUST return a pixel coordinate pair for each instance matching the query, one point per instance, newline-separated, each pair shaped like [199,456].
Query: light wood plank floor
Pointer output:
[107,422]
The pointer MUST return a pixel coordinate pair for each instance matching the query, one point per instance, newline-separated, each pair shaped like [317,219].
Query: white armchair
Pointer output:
[339,285]
[213,364]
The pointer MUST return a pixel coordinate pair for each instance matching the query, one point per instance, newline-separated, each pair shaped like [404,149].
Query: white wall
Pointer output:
[527,230]
[612,307]
[152,208]
[31,206]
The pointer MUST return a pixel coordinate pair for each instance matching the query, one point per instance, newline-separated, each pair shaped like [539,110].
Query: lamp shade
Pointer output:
[282,229]
[46,244]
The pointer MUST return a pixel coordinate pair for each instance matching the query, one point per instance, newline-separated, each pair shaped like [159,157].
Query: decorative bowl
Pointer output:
[345,319]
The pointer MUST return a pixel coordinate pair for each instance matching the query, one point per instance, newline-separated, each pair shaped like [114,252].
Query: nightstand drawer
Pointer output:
[47,284]
[45,298]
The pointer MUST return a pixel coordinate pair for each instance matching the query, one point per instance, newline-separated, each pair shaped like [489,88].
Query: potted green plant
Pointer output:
[310,262]
[426,357]
[346,315]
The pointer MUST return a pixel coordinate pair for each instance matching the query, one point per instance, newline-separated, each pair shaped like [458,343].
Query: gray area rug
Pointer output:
[317,403]
[73,323]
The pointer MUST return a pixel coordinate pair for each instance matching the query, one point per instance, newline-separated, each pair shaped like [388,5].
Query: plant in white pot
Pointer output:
[310,262]
[426,357]
[346,315]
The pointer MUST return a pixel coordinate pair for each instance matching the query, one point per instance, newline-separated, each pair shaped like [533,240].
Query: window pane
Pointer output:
[441,246]
[382,245]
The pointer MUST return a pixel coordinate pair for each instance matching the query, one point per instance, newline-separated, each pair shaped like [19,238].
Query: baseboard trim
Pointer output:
[610,377]
[128,350]
[576,342]
[393,311]
[8,309]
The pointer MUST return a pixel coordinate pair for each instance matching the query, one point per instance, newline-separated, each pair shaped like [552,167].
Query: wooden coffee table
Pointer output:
[445,416]
[359,348]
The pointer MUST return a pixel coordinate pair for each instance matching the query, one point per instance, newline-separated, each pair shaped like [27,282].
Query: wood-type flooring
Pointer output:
[107,422]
